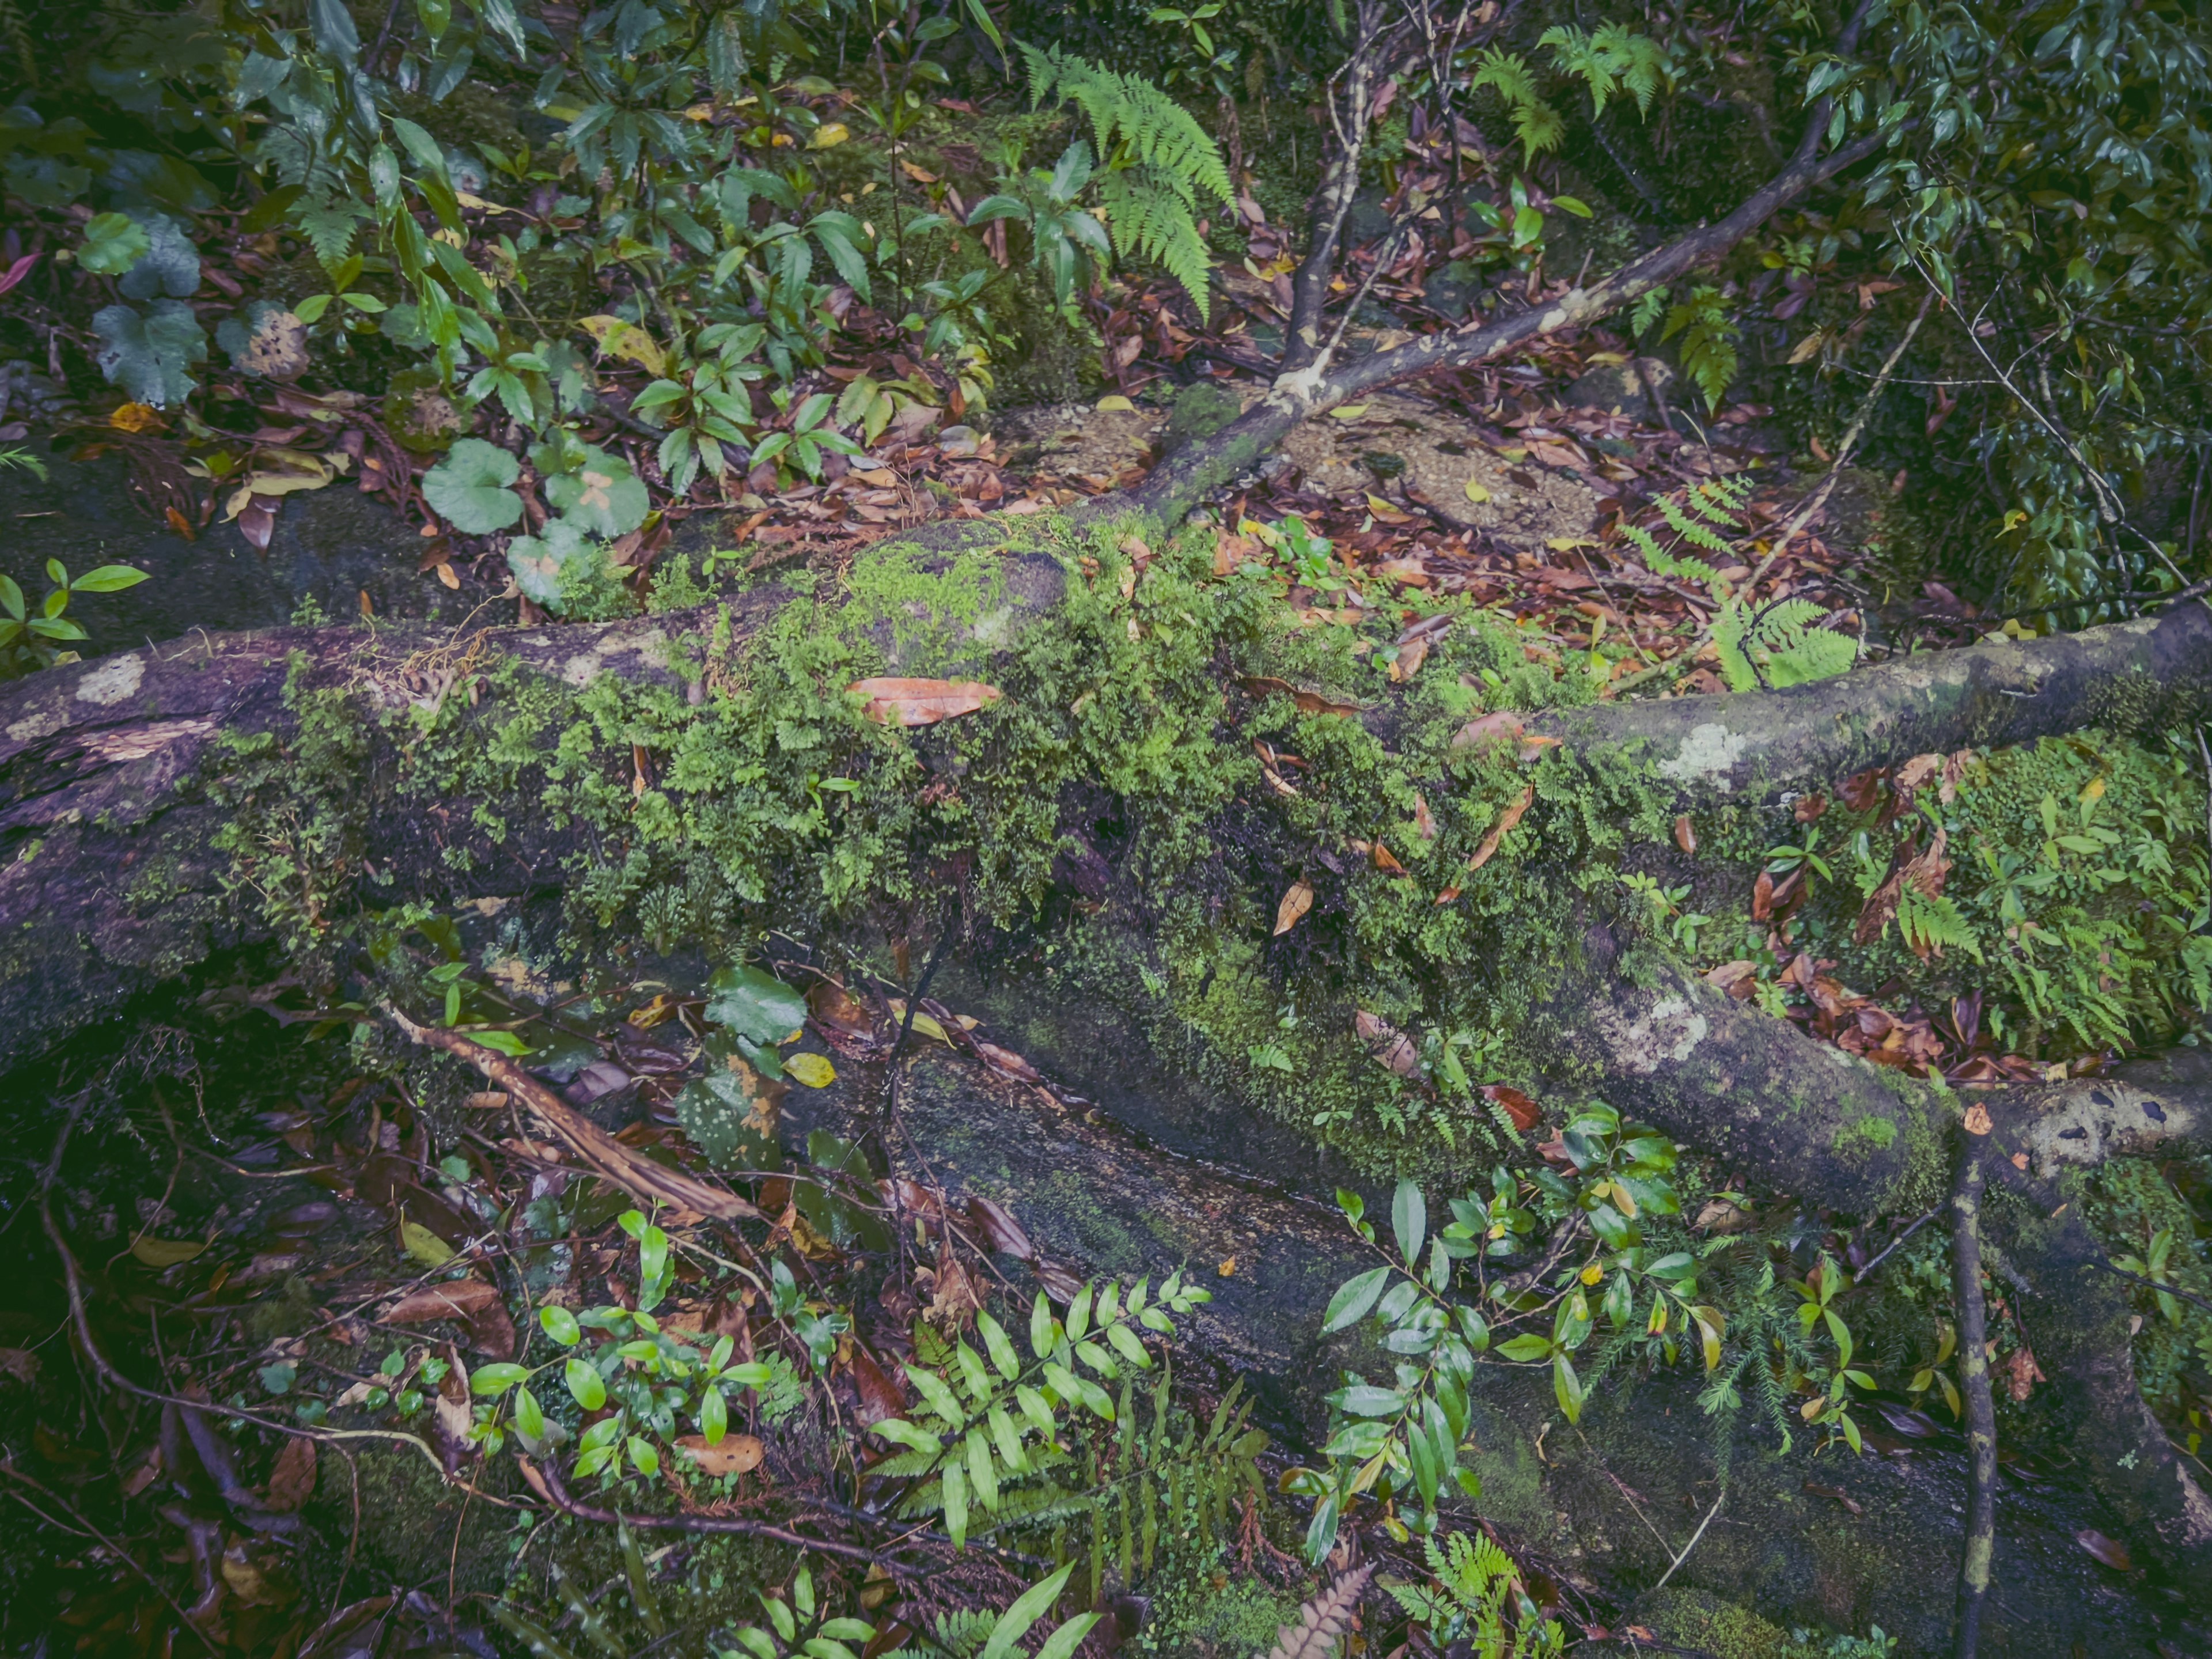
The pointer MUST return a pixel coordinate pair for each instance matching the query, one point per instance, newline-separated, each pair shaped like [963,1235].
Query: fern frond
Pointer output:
[1779,645]
[1322,1619]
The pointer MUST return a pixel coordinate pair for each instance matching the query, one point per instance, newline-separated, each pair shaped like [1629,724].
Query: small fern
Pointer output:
[1616,59]
[1324,1618]
[1708,337]
[1158,163]
[1778,644]
[1475,1581]
[1700,517]
[1535,123]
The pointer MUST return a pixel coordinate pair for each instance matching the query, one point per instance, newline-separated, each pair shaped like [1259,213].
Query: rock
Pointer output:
[1437,460]
[1623,387]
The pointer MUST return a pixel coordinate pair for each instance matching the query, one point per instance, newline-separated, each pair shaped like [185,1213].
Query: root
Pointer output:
[1981,1407]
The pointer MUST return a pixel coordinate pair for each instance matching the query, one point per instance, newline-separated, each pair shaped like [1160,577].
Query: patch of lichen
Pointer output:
[2074,898]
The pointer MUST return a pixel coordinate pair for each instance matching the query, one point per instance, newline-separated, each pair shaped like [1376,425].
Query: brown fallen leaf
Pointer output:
[1007,1062]
[1686,835]
[2022,1373]
[1504,726]
[2112,1552]
[737,1454]
[1977,1119]
[1407,663]
[1503,827]
[1308,703]
[1524,1111]
[1295,902]
[1809,808]
[1836,1492]
[921,702]
[1425,821]
[457,1298]
[1736,978]
[1391,1048]
[1385,861]
[1000,1230]
[292,1481]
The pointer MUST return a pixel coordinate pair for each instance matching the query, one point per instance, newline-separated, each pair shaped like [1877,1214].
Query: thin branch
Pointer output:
[1981,1409]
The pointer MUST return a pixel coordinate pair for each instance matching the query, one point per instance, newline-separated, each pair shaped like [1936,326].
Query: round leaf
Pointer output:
[470,489]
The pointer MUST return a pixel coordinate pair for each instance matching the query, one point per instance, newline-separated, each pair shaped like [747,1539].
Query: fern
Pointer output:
[1698,518]
[1474,1578]
[1708,338]
[1778,644]
[1615,60]
[329,229]
[1159,163]
[1928,925]
[1322,1619]
[1535,123]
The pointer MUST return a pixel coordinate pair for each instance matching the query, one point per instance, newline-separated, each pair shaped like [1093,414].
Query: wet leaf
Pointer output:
[292,1481]
[1295,903]
[425,1246]
[1000,1230]
[737,1454]
[165,1252]
[921,702]
[815,1070]
[2112,1552]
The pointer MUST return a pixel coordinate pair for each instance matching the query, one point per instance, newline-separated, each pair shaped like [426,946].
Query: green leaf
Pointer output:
[1409,1219]
[539,562]
[1524,1348]
[529,1416]
[1031,1605]
[586,1386]
[113,242]
[561,1325]
[497,1379]
[1353,1298]
[470,488]
[602,496]
[1001,1351]
[756,1004]
[955,1490]
[108,578]
[149,354]
[1363,1400]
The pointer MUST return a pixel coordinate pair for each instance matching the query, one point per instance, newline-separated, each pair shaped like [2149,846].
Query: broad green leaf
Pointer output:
[1031,1605]
[149,354]
[1409,1219]
[586,1386]
[497,1379]
[602,496]
[756,1004]
[470,489]
[1353,1298]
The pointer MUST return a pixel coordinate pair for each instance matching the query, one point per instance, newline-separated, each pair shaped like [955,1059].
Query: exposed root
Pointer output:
[1981,1407]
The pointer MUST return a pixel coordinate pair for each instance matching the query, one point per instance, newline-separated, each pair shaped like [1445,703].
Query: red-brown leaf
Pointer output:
[459,1298]
[922,702]
[2112,1552]
[1524,1112]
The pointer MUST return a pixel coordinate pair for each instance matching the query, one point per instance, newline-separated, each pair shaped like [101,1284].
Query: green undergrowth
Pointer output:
[2072,913]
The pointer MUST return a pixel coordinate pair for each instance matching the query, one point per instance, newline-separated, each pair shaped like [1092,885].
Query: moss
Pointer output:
[1878,1132]
[1698,1619]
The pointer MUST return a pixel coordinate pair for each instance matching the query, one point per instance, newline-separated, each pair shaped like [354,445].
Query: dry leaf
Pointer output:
[1000,1229]
[1407,663]
[1500,829]
[1504,726]
[1295,902]
[459,1298]
[1686,835]
[292,1481]
[2022,1373]
[1386,861]
[1390,1046]
[1326,1616]
[2112,1552]
[1425,822]
[165,1252]
[922,702]
[1524,1111]
[737,1454]
[1007,1062]
[1308,703]
[1977,1119]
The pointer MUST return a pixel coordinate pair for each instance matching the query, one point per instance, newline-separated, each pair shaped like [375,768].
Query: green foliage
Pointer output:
[1710,333]
[150,353]
[1779,643]
[1613,59]
[30,639]
[1702,516]
[1473,1579]
[1157,164]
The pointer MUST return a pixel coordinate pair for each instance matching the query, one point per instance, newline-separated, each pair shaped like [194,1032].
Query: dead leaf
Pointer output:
[838,1013]
[253,1583]
[275,347]
[879,1397]
[1836,1492]
[921,702]
[165,1252]
[1385,861]
[1425,822]
[2112,1552]
[1736,978]
[1500,829]
[1230,551]
[1809,808]
[20,1364]
[1388,1046]
[1000,1230]
[459,1298]
[1308,703]
[134,418]
[1720,1216]
[737,1454]
[617,338]
[1407,663]
[1295,902]
[1504,726]
[1007,1062]
[2022,1373]
[1977,1119]
[1686,835]
[1524,1111]
[292,1481]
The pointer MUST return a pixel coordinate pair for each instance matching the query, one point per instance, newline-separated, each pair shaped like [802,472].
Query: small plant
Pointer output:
[29,641]
[1474,1580]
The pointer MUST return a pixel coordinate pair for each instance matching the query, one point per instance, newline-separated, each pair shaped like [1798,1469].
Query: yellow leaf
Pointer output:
[616,338]
[815,1070]
[1568,543]
[425,1246]
[165,1252]
[1114,404]
[1295,904]
[1476,493]
[829,136]
[134,417]
[1349,412]
[1808,346]
[2093,790]
[1386,510]
[1228,1268]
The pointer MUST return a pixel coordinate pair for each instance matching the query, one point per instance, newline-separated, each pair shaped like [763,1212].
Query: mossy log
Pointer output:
[1806,1537]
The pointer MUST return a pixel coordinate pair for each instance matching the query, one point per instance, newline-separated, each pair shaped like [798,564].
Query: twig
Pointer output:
[1981,1408]
[544,1480]
[9,1468]
[2189,1297]
[1867,1272]
[1692,1544]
